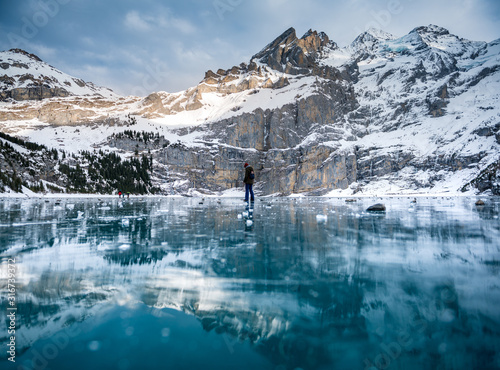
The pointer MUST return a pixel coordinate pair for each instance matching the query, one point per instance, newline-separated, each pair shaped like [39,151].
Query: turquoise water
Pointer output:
[312,283]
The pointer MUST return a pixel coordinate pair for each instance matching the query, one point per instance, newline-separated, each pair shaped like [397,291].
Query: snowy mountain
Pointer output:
[415,114]
[27,77]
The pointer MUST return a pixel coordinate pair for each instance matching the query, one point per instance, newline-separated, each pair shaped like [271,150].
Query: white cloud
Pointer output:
[190,55]
[183,25]
[165,19]
[134,20]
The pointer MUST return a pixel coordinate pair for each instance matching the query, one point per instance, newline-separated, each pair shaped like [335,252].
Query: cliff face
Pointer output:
[275,142]
[383,114]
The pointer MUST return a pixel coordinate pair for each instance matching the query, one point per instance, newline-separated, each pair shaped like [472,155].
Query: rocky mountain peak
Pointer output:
[439,39]
[431,30]
[430,35]
[366,43]
[286,38]
[312,41]
[378,34]
[292,55]
[23,52]
[369,39]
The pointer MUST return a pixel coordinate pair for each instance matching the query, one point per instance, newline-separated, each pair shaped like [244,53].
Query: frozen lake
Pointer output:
[308,283]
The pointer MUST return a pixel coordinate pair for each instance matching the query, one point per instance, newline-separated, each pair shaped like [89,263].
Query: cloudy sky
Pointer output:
[136,47]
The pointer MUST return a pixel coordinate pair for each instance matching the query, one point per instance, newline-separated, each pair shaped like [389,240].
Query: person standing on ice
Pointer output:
[249,180]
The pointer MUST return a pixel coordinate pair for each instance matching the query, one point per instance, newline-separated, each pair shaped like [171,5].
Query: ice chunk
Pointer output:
[321,218]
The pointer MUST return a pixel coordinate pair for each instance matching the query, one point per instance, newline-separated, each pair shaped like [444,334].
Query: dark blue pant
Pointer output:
[248,189]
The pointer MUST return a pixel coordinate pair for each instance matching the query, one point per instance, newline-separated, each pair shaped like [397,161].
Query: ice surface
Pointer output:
[329,283]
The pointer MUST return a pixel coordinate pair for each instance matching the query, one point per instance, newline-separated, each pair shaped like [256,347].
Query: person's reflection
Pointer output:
[248,216]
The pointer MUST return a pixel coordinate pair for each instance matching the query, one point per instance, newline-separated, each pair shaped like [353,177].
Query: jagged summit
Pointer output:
[378,34]
[431,29]
[369,40]
[323,36]
[285,38]
[289,54]
[441,40]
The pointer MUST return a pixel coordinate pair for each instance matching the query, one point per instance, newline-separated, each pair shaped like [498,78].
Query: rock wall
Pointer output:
[78,110]
[212,168]
[487,180]
[288,126]
[313,169]
[33,93]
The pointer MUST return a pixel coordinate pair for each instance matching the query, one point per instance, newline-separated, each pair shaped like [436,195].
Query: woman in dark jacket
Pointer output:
[249,180]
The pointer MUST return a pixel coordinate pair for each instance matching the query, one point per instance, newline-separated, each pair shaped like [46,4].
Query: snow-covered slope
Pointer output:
[24,76]
[418,113]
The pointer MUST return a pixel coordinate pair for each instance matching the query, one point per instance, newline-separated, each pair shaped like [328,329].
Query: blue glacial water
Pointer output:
[309,283]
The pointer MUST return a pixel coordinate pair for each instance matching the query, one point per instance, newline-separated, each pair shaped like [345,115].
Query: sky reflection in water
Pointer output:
[288,283]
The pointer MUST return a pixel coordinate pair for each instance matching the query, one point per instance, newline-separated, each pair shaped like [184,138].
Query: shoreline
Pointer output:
[238,195]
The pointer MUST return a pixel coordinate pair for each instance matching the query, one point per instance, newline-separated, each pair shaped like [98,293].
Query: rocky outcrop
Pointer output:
[33,93]
[29,55]
[487,180]
[379,207]
[152,106]
[79,110]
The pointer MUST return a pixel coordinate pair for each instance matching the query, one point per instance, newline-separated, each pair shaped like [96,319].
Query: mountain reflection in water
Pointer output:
[288,283]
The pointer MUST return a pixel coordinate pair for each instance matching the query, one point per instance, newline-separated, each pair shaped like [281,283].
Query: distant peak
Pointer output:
[370,38]
[23,52]
[436,30]
[380,34]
